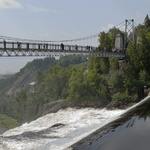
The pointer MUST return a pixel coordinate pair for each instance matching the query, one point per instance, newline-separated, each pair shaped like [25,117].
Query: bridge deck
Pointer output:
[47,49]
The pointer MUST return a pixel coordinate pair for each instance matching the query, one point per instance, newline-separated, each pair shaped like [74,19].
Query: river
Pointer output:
[57,131]
[131,131]
[86,129]
[2,130]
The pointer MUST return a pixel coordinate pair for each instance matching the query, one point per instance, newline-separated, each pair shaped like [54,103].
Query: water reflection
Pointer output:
[130,132]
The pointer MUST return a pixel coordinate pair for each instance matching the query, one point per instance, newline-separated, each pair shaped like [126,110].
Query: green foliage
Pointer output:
[21,99]
[106,41]
[130,80]
[122,96]
[139,56]
[125,97]
[88,86]
[113,63]
[65,61]
[8,122]
[137,73]
[100,65]
[144,78]
[56,81]
[42,64]
[147,21]
[77,88]
[116,79]
[148,37]
[73,78]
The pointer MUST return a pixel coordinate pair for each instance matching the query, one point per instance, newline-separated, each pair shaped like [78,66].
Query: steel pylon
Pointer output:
[129,32]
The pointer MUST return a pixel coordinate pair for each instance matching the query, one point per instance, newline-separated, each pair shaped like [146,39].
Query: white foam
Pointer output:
[78,123]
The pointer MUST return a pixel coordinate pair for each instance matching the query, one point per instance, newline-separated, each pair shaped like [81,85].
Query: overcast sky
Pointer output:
[64,19]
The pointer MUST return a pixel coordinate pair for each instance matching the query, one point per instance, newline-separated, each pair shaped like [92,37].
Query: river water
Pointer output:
[57,131]
[2,130]
[131,131]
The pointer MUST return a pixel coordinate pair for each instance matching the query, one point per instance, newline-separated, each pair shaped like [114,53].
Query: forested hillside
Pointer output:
[76,79]
[11,88]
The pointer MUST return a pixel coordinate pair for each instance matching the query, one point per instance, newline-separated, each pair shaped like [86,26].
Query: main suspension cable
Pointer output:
[56,41]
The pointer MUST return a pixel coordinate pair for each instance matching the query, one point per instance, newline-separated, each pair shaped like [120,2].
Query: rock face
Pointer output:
[53,107]
[147,92]
[22,82]
[119,105]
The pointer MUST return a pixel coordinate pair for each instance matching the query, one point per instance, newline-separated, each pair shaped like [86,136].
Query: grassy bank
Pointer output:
[8,122]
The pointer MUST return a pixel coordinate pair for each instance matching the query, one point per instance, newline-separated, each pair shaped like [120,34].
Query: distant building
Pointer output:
[119,42]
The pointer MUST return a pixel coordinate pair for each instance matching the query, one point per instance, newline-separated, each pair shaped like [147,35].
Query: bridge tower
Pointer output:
[129,32]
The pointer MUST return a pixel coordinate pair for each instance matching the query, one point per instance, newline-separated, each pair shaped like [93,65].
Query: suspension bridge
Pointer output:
[23,47]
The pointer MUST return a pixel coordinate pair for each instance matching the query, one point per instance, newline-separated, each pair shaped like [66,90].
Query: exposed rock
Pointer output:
[53,107]
[22,82]
[118,105]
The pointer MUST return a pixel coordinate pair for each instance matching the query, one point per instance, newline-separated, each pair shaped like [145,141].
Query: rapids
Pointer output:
[57,131]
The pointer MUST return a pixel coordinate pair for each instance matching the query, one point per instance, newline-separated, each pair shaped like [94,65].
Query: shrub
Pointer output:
[8,122]
[122,96]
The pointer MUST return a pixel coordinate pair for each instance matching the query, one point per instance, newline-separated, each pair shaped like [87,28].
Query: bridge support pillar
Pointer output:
[129,32]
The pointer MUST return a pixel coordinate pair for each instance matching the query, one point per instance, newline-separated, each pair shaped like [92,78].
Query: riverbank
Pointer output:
[6,123]
[55,106]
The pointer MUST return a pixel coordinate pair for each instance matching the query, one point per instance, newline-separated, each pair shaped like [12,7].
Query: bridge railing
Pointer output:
[42,46]
[16,48]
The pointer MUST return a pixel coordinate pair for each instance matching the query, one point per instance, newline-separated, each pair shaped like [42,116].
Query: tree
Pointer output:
[21,106]
[55,81]
[76,86]
[116,79]
[88,86]
[105,40]
[138,54]
[101,65]
[113,63]
[147,21]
